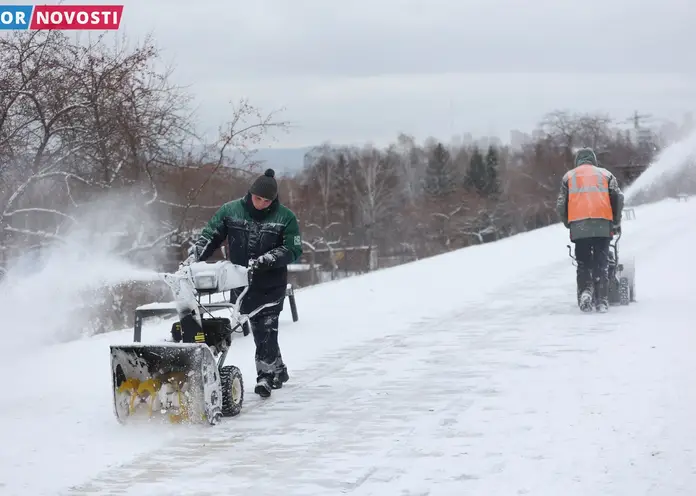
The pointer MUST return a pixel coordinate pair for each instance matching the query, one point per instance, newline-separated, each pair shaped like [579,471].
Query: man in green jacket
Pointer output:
[265,235]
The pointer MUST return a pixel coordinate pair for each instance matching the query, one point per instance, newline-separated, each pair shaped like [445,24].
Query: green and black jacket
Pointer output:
[251,233]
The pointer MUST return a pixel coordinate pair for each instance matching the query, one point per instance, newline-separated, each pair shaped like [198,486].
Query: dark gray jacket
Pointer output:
[591,228]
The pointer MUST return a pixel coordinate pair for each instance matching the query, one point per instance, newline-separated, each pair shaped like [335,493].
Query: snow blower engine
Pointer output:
[185,380]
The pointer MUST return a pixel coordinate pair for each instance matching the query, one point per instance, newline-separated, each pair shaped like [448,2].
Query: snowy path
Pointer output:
[521,395]
[489,383]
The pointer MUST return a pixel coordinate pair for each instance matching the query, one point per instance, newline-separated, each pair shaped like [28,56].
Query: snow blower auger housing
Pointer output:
[185,380]
[622,276]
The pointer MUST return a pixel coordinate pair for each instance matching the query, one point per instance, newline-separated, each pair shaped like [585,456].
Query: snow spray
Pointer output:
[51,298]
[672,162]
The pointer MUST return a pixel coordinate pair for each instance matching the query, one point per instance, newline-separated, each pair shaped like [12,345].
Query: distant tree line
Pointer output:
[415,200]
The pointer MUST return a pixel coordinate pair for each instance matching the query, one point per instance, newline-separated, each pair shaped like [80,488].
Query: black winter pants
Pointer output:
[269,361]
[264,327]
[592,255]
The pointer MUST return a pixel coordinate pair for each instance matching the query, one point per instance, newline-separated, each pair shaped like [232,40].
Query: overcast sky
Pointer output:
[357,70]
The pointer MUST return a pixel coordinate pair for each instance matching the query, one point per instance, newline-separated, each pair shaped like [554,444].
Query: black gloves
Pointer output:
[262,262]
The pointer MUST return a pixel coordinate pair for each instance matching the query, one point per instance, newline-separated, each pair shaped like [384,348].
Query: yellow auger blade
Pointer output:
[178,382]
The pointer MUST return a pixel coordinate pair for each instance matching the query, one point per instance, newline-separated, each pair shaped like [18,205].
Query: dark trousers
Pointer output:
[269,361]
[592,256]
[264,328]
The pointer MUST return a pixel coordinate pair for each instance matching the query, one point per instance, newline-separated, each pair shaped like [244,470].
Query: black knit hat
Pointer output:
[265,186]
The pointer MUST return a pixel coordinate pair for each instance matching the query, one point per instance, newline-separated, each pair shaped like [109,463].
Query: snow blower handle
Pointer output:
[570,254]
[615,236]
[252,266]
[616,246]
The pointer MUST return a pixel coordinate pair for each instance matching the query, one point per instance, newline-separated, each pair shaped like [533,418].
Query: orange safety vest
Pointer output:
[588,194]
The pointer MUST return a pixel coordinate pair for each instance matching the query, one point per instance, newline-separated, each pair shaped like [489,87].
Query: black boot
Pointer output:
[603,292]
[263,386]
[280,378]
[585,288]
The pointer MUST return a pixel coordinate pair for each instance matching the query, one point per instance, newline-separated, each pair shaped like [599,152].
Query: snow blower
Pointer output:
[186,380]
[622,276]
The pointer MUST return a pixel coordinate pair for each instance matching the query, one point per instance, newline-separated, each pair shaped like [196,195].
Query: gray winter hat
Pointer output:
[586,156]
[265,186]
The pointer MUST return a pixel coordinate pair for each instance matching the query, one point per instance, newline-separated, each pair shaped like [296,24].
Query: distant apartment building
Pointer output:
[518,139]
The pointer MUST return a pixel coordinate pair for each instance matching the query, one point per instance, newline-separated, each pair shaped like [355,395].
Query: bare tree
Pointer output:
[374,179]
[412,162]
[324,237]
[321,164]
[78,121]
[247,126]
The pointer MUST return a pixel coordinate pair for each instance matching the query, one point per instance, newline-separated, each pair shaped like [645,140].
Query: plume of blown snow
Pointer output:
[673,172]
[52,298]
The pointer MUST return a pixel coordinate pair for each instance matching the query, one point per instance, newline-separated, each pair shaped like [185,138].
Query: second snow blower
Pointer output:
[622,277]
[186,380]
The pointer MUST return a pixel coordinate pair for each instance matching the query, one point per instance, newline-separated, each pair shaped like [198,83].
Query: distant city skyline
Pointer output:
[516,138]
[287,160]
[306,134]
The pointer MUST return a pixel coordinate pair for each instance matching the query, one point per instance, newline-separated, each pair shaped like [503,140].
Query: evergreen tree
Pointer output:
[492,185]
[439,174]
[476,174]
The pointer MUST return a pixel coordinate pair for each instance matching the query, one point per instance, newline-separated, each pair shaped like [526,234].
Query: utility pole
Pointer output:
[636,119]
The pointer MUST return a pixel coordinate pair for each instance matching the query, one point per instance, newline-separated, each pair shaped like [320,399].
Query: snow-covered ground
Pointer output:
[468,373]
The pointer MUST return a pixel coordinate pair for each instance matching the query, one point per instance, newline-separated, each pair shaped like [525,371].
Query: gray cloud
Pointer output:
[359,70]
[362,38]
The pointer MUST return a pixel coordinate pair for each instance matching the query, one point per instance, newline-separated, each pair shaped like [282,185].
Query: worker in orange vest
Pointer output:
[590,204]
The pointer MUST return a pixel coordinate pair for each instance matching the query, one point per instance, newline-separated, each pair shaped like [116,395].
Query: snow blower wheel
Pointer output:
[232,390]
[624,291]
[629,271]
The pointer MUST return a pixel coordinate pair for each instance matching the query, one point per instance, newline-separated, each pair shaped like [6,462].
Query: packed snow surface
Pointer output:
[468,373]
